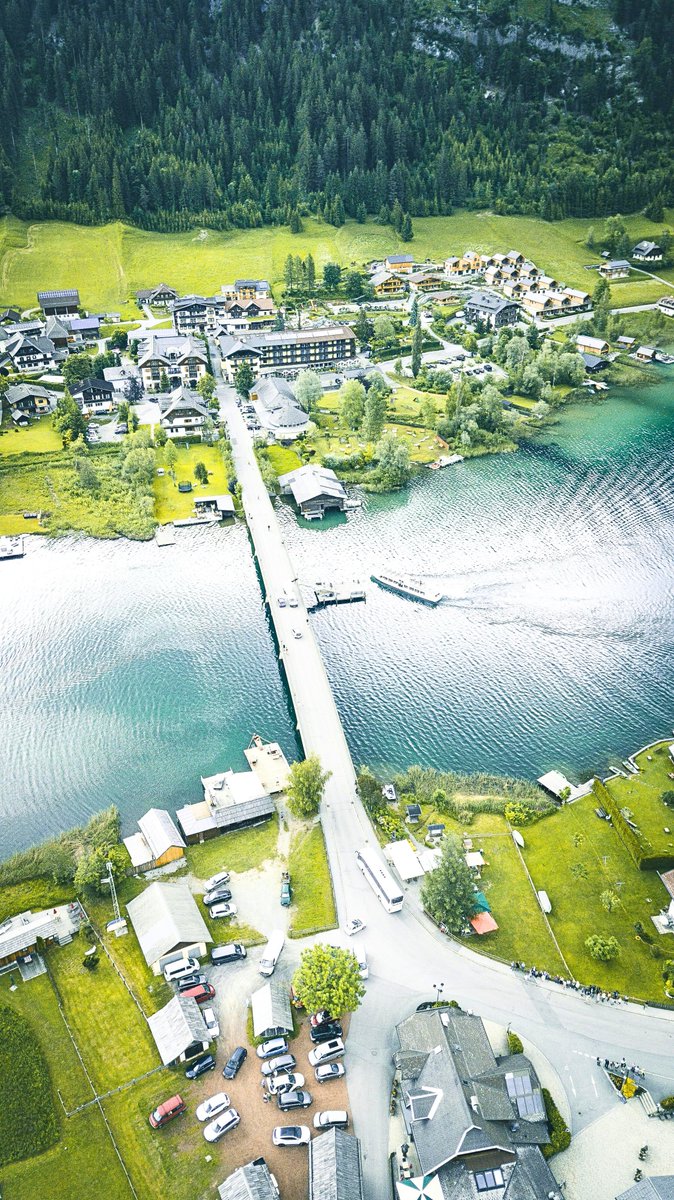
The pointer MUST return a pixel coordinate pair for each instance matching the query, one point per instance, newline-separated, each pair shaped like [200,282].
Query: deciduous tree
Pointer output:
[352,403]
[306,786]
[328,978]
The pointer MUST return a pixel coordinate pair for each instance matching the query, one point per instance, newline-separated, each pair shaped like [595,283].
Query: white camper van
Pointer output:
[272,952]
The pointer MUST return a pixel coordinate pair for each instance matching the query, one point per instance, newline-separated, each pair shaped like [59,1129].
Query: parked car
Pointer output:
[231,952]
[218,894]
[235,1063]
[223,910]
[274,1066]
[334,1118]
[326,1052]
[229,1120]
[211,1022]
[216,880]
[180,968]
[286,893]
[284,1083]
[272,1047]
[288,1100]
[320,1017]
[354,926]
[282,602]
[363,968]
[200,1066]
[191,981]
[291,1135]
[293,601]
[166,1112]
[326,1031]
[201,992]
[328,1071]
[212,1107]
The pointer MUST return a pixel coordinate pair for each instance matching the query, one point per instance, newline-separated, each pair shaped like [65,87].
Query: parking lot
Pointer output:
[253,1136]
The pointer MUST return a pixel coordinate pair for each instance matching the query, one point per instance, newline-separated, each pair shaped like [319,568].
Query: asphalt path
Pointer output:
[408,954]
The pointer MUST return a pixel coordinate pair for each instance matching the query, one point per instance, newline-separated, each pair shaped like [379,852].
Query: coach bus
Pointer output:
[384,886]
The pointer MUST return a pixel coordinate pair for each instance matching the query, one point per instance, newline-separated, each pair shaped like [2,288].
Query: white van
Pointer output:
[272,952]
[175,971]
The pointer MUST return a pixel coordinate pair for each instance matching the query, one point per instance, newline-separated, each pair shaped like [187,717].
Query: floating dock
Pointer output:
[11,547]
[320,595]
[164,536]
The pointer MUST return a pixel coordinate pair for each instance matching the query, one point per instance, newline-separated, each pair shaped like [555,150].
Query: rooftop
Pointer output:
[176,1027]
[165,917]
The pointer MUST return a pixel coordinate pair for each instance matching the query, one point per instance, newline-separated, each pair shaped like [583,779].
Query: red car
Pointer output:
[167,1111]
[201,992]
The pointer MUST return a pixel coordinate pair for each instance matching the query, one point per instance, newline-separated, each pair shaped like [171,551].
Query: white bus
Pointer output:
[383,885]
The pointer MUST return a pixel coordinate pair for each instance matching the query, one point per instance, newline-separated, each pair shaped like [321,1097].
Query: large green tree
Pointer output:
[352,403]
[376,404]
[244,379]
[308,390]
[68,420]
[91,868]
[448,892]
[328,978]
[393,458]
[306,786]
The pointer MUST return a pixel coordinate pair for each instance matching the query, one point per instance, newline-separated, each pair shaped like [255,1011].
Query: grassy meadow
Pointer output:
[313,901]
[109,262]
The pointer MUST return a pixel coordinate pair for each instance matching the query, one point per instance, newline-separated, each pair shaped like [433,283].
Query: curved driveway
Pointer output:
[407,954]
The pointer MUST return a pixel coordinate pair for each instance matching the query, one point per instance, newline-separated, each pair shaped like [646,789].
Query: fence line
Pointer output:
[127,985]
[96,1099]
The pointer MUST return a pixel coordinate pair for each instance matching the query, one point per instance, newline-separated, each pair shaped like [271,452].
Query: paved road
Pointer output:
[408,955]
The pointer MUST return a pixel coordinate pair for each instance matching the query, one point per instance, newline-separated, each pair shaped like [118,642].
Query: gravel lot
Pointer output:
[252,1137]
[603,1157]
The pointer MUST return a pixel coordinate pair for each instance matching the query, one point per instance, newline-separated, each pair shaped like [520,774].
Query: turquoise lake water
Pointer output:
[127,672]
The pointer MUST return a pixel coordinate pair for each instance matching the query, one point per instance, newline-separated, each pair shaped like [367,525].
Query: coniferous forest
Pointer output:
[235,113]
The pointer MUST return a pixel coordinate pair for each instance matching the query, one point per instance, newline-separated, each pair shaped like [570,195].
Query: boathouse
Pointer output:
[157,843]
[168,924]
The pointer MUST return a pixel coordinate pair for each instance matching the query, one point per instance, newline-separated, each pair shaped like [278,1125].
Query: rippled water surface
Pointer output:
[127,671]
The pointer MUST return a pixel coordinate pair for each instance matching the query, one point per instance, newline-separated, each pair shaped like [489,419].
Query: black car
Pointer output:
[200,1066]
[190,981]
[288,1100]
[216,896]
[236,1062]
[325,1032]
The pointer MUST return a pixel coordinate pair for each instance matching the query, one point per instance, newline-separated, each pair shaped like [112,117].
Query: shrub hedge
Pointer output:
[28,1121]
[560,1138]
[638,846]
[515,1043]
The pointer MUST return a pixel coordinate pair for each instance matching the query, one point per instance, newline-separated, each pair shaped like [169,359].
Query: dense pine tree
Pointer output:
[235,113]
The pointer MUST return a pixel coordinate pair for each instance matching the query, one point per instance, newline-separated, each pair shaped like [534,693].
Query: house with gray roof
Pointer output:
[160,296]
[183,413]
[646,251]
[29,398]
[252,1182]
[168,924]
[314,490]
[335,1167]
[476,1121]
[654,1187]
[60,303]
[179,1030]
[182,359]
[277,409]
[491,310]
[26,354]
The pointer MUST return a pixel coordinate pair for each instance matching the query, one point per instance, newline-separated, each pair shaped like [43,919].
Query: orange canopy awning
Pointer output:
[483,923]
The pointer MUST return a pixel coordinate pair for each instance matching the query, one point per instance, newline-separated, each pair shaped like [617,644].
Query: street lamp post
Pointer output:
[439,989]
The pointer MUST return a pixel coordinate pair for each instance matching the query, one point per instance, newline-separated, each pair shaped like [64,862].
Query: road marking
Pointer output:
[594,1086]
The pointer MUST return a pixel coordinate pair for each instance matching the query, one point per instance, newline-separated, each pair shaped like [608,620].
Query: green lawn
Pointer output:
[49,483]
[170,1161]
[332,437]
[313,901]
[642,794]
[39,437]
[601,863]
[113,1038]
[237,851]
[29,1121]
[108,263]
[83,1163]
[152,991]
[283,459]
[36,1000]
[34,894]
[172,505]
